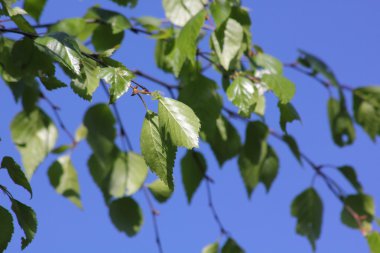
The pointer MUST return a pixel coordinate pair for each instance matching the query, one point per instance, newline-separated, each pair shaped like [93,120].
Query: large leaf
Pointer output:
[119,78]
[34,8]
[34,134]
[6,228]
[16,174]
[288,114]
[128,174]
[63,49]
[282,87]
[179,12]
[373,240]
[126,215]
[367,109]
[307,207]
[160,191]
[185,46]
[27,220]
[179,122]
[231,246]
[358,206]
[103,38]
[201,95]
[341,125]
[242,93]
[225,143]
[193,168]
[158,151]
[227,41]
[63,177]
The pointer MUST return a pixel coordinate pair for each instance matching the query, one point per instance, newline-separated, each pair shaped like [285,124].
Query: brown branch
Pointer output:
[56,109]
[168,86]
[154,214]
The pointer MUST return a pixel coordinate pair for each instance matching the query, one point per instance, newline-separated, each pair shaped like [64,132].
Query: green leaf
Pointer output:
[6,229]
[341,125]
[63,49]
[373,240]
[100,171]
[160,191]
[104,38]
[120,80]
[269,168]
[185,46]
[86,84]
[16,14]
[367,109]
[358,206]
[220,11]
[127,3]
[158,151]
[117,21]
[269,63]
[201,95]
[80,133]
[27,220]
[349,173]
[34,8]
[231,246]
[61,149]
[193,168]
[211,248]
[63,177]
[282,87]
[15,173]
[179,122]
[227,41]
[179,12]
[226,141]
[51,82]
[75,27]
[307,207]
[126,215]
[128,174]
[318,66]
[242,93]
[288,114]
[293,146]
[35,135]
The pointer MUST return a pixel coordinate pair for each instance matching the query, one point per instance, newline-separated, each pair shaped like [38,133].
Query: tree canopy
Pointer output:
[222,78]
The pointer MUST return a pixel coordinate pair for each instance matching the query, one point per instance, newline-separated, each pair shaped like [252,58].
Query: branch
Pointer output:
[169,87]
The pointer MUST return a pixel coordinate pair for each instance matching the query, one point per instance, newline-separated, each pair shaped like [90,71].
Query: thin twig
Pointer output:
[154,214]
[168,86]
[56,109]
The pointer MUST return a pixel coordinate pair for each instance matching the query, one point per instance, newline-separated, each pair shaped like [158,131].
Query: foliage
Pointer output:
[30,56]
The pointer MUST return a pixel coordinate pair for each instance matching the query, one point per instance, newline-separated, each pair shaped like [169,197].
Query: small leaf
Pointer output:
[211,248]
[341,125]
[349,173]
[179,122]
[120,80]
[117,21]
[126,215]
[307,207]
[293,146]
[61,149]
[6,229]
[194,167]
[27,220]
[359,206]
[51,82]
[16,174]
[35,135]
[158,151]
[288,115]
[282,87]
[179,12]
[34,8]
[373,240]
[17,16]
[63,177]
[227,41]
[160,191]
[80,133]
[242,94]
[231,246]
[86,84]
[269,168]
[269,63]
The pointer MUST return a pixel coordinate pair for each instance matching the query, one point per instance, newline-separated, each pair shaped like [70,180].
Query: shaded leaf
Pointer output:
[103,38]
[349,173]
[126,215]
[34,8]
[160,191]
[288,114]
[359,206]
[16,174]
[193,168]
[6,228]
[231,246]
[27,220]
[341,125]
[293,146]
[269,168]
[63,177]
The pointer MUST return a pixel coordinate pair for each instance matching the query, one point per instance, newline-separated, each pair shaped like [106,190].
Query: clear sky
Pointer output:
[345,33]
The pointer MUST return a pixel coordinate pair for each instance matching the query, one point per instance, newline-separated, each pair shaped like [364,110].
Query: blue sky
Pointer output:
[342,32]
